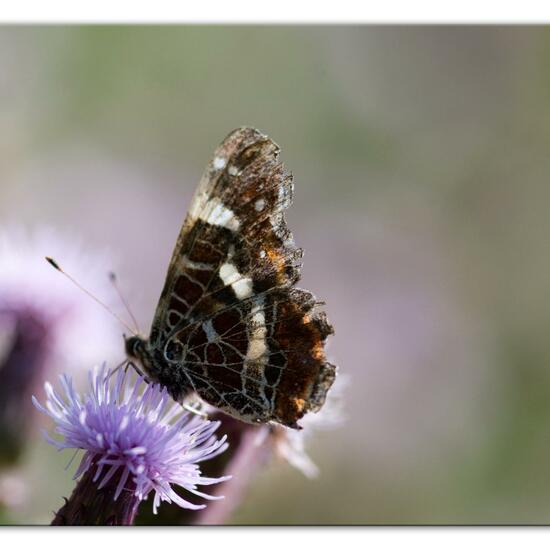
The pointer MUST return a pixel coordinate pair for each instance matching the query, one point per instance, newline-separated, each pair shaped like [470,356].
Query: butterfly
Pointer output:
[230,325]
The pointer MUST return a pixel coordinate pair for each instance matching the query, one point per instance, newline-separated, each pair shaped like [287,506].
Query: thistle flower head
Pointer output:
[133,431]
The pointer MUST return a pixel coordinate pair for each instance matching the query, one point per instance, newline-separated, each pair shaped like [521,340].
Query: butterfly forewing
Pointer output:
[229,325]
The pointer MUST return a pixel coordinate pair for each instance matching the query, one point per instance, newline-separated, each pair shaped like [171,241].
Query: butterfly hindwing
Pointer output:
[262,358]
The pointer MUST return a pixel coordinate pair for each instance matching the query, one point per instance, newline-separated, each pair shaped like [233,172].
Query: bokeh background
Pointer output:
[421,158]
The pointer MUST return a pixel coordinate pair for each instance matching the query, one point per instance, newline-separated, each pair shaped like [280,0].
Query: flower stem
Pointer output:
[250,454]
[89,505]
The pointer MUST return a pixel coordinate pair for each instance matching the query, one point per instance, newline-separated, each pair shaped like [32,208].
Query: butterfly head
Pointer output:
[148,363]
[139,353]
[136,347]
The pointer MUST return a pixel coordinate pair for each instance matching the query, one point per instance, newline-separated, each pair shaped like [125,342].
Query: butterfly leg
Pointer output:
[138,370]
[119,366]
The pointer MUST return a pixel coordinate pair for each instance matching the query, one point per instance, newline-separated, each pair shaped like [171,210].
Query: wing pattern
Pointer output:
[229,325]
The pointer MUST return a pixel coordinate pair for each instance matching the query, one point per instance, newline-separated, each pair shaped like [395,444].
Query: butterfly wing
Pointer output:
[228,317]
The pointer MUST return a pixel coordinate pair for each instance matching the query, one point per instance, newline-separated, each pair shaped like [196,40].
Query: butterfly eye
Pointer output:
[173,351]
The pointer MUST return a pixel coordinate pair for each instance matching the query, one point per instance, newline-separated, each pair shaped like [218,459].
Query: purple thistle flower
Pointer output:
[136,439]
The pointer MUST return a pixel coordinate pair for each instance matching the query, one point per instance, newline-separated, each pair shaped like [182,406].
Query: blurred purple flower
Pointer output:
[246,457]
[42,321]
[15,490]
[30,287]
[134,436]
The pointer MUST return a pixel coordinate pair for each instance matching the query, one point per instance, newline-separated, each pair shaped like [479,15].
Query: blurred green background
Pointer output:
[421,162]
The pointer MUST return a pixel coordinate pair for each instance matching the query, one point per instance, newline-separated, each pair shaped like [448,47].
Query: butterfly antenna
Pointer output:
[113,279]
[55,265]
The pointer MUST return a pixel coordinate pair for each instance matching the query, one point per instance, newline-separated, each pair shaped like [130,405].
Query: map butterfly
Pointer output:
[230,326]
